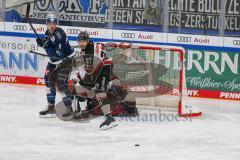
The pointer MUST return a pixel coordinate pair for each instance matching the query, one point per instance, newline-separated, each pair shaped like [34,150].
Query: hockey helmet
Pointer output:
[83,36]
[51,18]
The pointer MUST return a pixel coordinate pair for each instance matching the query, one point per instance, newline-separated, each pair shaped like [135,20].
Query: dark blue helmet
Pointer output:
[83,36]
[51,18]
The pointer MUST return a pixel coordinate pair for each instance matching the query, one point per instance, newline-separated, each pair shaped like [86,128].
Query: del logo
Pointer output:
[10,79]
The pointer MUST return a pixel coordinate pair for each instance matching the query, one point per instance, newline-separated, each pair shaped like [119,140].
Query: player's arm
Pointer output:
[42,42]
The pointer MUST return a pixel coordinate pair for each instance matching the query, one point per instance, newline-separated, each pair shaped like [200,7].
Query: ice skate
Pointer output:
[109,122]
[48,112]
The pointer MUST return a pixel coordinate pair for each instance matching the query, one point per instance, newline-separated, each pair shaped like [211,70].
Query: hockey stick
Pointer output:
[40,54]
[44,55]
[27,13]
[29,20]
[30,23]
[19,4]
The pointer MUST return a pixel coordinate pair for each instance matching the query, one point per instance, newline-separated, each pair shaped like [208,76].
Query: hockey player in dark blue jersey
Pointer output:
[61,55]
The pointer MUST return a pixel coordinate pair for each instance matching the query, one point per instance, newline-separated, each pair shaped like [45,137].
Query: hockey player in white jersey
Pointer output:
[95,76]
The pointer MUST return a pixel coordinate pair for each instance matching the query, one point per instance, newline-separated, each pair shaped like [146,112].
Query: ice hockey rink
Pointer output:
[25,136]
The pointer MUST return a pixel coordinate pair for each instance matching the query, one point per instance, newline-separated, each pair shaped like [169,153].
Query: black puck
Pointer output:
[137,145]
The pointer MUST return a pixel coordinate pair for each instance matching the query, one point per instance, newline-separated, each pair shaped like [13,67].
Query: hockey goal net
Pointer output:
[154,76]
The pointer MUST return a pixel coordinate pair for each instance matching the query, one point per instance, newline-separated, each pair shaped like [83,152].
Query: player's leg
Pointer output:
[50,78]
[130,105]
[83,93]
[105,104]
[131,108]
[120,94]
[63,73]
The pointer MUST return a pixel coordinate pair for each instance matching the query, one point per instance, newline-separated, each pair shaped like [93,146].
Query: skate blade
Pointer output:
[47,116]
[112,125]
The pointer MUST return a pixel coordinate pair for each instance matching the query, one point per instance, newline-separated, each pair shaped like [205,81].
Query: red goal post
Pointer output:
[172,88]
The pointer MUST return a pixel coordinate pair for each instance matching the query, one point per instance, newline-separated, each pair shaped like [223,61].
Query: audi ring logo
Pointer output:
[184,39]
[236,42]
[19,27]
[73,31]
[128,35]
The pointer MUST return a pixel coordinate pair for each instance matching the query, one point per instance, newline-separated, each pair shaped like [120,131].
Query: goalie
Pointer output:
[94,77]
[97,83]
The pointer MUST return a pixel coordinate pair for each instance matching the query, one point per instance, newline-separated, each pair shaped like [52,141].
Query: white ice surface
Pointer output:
[25,136]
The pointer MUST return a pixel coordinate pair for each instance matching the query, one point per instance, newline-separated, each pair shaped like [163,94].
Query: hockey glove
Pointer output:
[41,42]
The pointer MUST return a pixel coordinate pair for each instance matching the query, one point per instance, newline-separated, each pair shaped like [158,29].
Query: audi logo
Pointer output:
[128,35]
[184,39]
[73,31]
[236,42]
[19,27]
